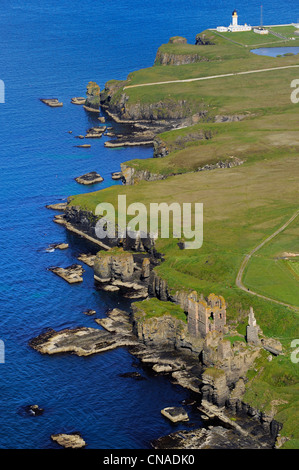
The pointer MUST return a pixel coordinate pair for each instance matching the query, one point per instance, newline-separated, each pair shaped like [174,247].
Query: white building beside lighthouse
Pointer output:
[234,27]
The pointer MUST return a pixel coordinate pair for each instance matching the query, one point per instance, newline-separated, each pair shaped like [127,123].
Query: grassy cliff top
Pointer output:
[153,308]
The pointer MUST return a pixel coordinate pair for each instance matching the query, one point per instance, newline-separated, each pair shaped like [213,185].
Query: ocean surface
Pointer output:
[53,49]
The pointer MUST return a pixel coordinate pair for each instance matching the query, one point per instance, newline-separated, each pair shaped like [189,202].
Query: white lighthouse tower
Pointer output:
[235,18]
[234,27]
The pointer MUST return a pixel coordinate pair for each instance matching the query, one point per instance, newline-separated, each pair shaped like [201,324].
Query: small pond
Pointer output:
[276,51]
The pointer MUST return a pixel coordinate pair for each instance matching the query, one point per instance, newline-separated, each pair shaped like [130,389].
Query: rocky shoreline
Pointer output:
[183,368]
[129,270]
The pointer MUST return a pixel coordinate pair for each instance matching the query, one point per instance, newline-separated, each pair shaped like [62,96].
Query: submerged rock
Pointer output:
[175,414]
[60,206]
[34,410]
[87,259]
[132,375]
[90,178]
[52,102]
[90,312]
[71,274]
[95,132]
[78,100]
[86,341]
[116,175]
[72,441]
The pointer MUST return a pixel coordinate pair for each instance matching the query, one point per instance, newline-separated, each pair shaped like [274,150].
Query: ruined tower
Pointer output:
[252,329]
[205,314]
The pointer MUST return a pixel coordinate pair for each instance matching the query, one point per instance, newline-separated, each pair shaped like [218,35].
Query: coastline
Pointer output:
[113,398]
[182,367]
[212,390]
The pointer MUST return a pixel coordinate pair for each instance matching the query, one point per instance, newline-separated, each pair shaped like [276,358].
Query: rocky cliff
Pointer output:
[92,96]
[179,55]
[224,366]
[166,114]
[157,330]
[85,221]
[132,176]
[168,58]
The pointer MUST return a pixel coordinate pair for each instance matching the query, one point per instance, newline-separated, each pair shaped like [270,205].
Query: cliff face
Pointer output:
[164,58]
[158,330]
[132,176]
[108,267]
[119,270]
[92,96]
[85,221]
[160,148]
[166,114]
[181,55]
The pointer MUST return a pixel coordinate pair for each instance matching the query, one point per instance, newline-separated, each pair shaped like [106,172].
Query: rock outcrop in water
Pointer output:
[69,441]
[87,341]
[175,414]
[72,274]
[89,178]
[122,271]
[92,102]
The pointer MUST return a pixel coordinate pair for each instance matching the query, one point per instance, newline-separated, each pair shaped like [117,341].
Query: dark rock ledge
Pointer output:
[84,341]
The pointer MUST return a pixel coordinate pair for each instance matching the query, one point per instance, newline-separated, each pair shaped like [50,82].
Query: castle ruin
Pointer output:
[206,314]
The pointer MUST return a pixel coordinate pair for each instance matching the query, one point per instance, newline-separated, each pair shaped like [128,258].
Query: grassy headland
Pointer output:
[242,205]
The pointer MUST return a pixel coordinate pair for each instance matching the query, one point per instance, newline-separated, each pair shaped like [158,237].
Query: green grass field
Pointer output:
[249,38]
[287,31]
[294,266]
[154,308]
[252,39]
[253,139]
[273,388]
[271,275]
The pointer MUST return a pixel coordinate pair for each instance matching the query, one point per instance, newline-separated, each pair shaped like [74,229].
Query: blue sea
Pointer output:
[53,49]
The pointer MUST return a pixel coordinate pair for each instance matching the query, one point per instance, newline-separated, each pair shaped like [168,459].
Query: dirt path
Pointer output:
[245,261]
[211,77]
